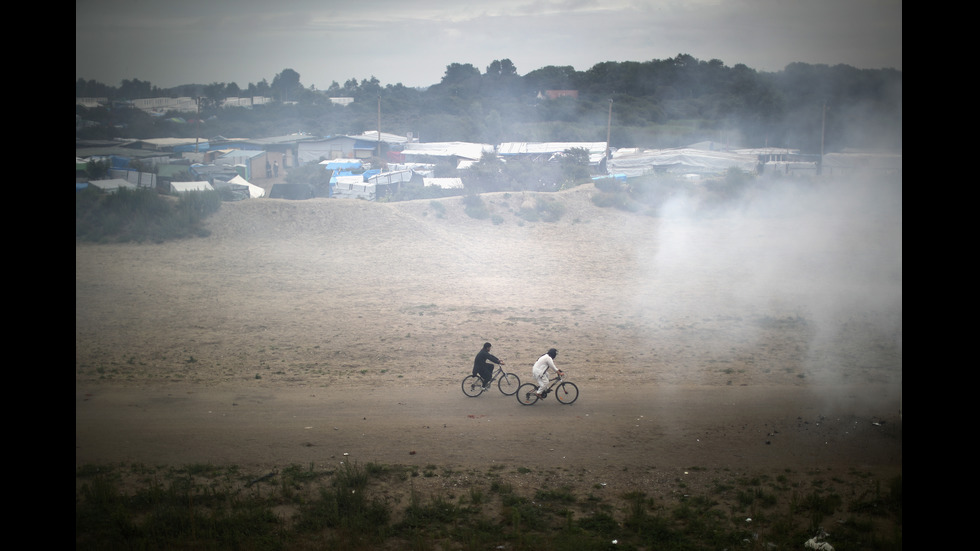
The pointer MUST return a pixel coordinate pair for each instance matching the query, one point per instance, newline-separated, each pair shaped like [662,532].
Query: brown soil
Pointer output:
[314,332]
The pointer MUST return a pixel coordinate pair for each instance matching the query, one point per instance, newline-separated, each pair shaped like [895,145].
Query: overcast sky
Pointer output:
[175,42]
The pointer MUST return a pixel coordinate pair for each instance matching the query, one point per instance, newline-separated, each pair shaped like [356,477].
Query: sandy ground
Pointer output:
[761,338]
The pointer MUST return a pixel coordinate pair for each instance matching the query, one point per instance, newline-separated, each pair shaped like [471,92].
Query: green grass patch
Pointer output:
[377,506]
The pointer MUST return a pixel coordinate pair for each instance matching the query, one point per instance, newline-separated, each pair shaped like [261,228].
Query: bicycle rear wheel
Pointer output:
[472,386]
[526,395]
[508,383]
[566,392]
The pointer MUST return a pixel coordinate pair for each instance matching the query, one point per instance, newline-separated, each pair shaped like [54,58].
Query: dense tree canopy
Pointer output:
[657,103]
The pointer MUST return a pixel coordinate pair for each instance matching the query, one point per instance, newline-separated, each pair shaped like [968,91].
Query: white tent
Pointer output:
[184,187]
[254,191]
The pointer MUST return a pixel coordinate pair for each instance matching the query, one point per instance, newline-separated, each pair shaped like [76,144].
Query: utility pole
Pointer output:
[379,126]
[609,129]
[197,139]
[823,130]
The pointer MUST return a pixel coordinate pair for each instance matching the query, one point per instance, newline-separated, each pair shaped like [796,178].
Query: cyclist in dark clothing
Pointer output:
[482,365]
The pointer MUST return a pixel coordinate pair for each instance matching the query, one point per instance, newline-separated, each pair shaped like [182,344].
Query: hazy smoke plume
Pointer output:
[821,262]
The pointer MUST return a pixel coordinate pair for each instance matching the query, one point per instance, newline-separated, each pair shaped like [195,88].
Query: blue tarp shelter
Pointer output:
[342,164]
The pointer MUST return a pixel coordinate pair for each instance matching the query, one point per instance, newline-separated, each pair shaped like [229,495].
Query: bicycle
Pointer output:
[508,383]
[565,391]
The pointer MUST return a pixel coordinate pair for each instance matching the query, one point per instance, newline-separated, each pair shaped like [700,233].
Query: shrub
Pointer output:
[474,207]
[545,210]
[141,214]
[616,199]
[550,210]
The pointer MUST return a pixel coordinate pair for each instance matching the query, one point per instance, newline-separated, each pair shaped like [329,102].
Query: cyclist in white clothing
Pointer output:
[541,367]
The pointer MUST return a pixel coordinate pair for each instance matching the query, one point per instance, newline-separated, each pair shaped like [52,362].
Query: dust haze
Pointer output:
[792,283]
[819,262]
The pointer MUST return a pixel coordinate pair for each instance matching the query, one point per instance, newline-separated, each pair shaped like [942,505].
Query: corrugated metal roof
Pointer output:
[391,177]
[163,143]
[465,150]
[274,140]
[88,152]
[635,162]
[372,136]
[540,148]
[242,153]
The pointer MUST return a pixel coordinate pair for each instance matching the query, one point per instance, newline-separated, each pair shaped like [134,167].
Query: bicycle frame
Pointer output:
[551,386]
[565,391]
[507,383]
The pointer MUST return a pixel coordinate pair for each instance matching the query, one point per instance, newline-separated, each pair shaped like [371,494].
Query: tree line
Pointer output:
[659,103]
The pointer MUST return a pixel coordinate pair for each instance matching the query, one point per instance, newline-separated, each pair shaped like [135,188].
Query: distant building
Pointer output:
[162,105]
[362,146]
[91,102]
[245,102]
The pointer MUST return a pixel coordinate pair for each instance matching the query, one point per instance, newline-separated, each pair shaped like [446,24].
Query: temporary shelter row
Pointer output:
[635,162]
[380,184]
[458,150]
[597,150]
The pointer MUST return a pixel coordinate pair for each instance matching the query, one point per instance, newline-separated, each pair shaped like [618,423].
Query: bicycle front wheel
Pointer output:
[472,386]
[526,394]
[508,383]
[566,393]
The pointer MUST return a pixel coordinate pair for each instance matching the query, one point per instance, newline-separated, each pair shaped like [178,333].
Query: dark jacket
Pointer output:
[480,362]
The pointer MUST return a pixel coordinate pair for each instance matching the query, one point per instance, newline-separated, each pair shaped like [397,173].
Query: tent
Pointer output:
[342,164]
[184,187]
[239,188]
[254,191]
[292,191]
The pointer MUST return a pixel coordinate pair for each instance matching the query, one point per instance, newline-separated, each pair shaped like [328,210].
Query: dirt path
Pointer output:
[636,427]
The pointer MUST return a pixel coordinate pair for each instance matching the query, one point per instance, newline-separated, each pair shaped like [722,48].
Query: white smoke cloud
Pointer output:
[820,260]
